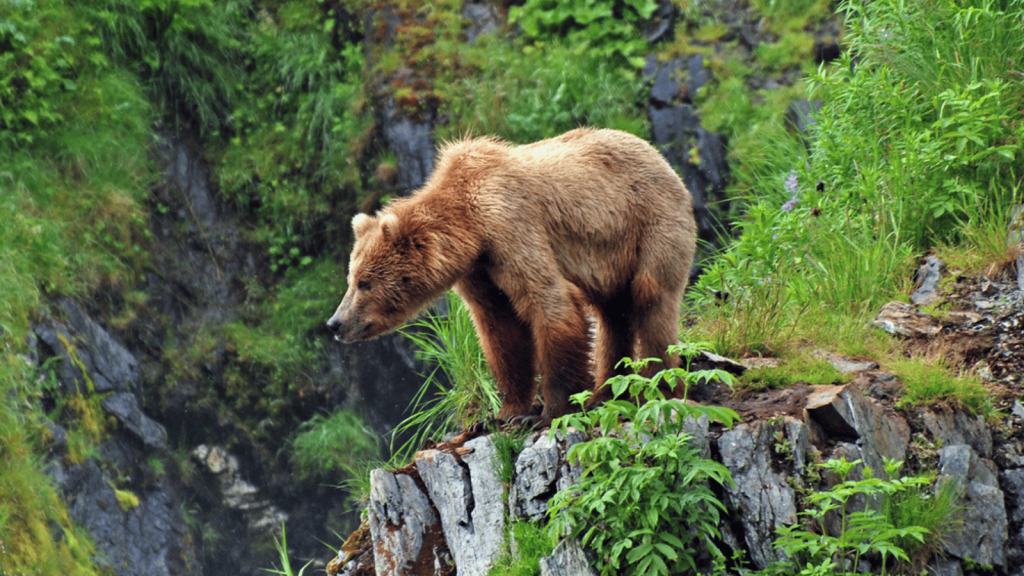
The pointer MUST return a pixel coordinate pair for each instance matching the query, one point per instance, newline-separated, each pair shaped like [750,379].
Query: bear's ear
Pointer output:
[361,223]
[388,225]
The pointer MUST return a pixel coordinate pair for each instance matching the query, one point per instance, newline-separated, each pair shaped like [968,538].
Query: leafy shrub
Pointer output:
[643,502]
[606,28]
[862,532]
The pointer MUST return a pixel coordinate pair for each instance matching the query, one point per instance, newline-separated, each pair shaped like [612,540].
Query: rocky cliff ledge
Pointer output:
[446,512]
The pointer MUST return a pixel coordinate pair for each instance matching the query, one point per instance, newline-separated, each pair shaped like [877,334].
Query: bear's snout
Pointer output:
[348,330]
[334,324]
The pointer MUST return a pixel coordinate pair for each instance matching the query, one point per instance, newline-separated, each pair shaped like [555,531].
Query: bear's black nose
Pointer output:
[334,324]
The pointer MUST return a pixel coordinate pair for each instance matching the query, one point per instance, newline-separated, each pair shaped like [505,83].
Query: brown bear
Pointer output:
[537,239]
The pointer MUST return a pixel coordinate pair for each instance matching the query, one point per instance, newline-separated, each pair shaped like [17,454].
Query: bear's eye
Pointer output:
[406,279]
[363,284]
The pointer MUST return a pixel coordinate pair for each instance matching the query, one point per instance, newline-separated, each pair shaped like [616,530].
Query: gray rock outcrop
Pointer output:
[150,538]
[468,498]
[983,532]
[541,471]
[400,518]
[568,559]
[761,496]
[844,414]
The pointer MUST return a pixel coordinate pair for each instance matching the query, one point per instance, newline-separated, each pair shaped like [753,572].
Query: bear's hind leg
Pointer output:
[562,335]
[506,340]
[656,323]
[615,340]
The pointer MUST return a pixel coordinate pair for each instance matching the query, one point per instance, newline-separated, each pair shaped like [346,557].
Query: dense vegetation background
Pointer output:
[916,147]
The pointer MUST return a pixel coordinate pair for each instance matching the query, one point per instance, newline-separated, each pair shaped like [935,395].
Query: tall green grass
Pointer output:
[465,394]
[916,145]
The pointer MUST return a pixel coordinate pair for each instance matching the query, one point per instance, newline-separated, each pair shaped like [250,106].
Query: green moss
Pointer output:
[29,504]
[791,51]
[126,499]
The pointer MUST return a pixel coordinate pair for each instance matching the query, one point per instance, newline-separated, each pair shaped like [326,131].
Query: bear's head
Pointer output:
[396,269]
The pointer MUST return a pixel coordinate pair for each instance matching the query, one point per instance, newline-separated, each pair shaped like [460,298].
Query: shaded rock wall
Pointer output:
[150,535]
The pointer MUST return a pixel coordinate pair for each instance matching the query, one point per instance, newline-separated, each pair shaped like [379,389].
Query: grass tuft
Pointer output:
[928,382]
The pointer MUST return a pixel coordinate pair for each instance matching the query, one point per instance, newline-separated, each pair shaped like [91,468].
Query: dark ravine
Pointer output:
[211,497]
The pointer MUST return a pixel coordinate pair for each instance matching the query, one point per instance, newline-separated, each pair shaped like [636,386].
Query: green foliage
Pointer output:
[73,170]
[643,502]
[298,130]
[753,319]
[187,52]
[531,543]
[862,532]
[467,392]
[328,446]
[984,227]
[528,97]
[69,196]
[607,28]
[36,68]
[938,125]
[932,508]
[908,140]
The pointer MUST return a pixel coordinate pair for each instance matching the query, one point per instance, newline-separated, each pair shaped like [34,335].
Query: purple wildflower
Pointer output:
[791,183]
[789,205]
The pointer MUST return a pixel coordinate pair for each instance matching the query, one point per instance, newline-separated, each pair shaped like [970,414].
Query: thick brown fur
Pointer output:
[537,239]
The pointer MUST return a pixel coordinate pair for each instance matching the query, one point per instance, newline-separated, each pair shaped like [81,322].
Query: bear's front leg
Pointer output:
[507,342]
